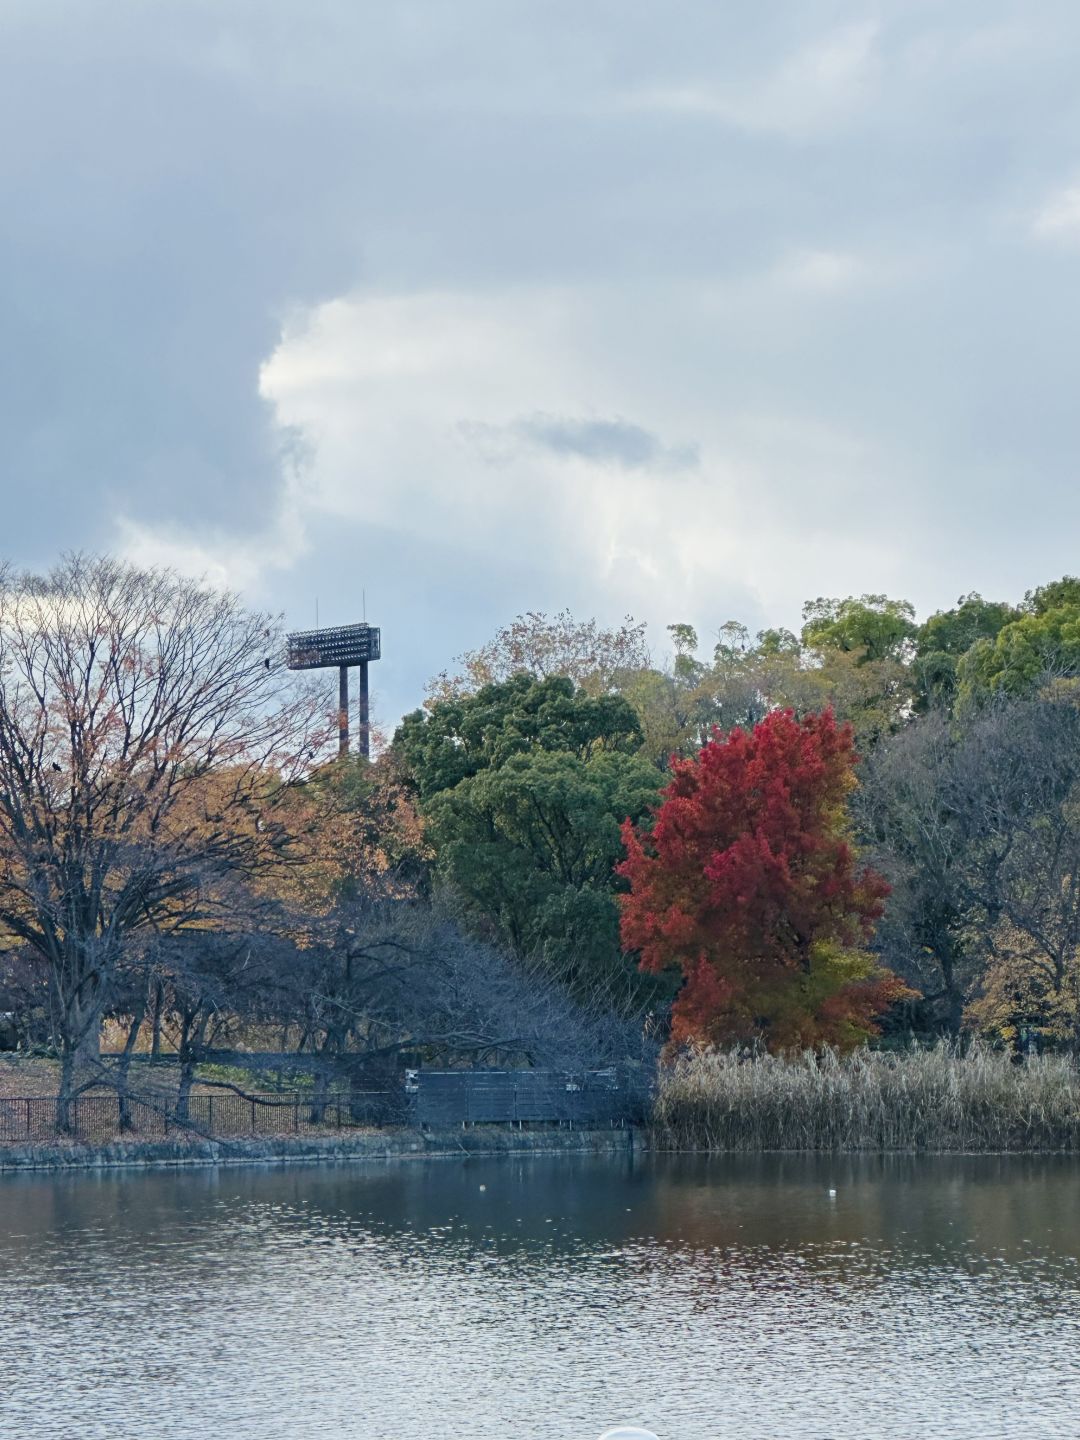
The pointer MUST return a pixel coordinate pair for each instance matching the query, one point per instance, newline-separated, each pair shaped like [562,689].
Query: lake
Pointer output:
[546,1298]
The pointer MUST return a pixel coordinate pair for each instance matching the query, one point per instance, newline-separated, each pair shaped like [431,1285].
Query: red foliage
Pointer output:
[747,883]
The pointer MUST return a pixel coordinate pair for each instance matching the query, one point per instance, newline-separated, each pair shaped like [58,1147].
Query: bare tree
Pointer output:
[390,977]
[542,645]
[146,733]
[911,811]
[976,822]
[1016,789]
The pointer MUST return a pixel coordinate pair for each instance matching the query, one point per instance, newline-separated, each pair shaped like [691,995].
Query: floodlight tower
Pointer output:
[343,646]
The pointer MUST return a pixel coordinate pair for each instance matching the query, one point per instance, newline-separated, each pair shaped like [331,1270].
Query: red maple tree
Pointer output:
[747,883]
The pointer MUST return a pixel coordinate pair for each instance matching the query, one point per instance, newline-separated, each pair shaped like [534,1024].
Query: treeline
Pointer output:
[526,759]
[187,867]
[185,862]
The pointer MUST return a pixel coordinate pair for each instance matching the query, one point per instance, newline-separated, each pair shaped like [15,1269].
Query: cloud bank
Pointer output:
[484,309]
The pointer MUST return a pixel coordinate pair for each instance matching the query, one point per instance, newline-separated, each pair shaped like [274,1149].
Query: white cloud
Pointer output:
[822,272]
[513,425]
[812,89]
[1059,218]
[618,348]
[221,560]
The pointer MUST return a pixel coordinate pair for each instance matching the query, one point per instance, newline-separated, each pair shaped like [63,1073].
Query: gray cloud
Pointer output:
[607,442]
[615,442]
[834,244]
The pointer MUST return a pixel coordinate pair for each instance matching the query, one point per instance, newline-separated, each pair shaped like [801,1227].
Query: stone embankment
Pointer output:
[310,1149]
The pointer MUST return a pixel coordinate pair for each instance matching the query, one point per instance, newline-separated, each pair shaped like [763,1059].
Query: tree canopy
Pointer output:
[872,627]
[531,846]
[148,732]
[459,737]
[747,883]
[523,787]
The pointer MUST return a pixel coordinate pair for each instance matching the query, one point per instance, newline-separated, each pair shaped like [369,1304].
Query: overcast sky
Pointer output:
[692,310]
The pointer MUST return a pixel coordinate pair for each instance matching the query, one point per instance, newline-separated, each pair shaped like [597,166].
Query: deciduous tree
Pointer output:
[541,646]
[872,627]
[142,717]
[748,884]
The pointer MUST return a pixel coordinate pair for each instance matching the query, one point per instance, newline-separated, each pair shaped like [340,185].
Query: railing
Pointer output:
[96,1117]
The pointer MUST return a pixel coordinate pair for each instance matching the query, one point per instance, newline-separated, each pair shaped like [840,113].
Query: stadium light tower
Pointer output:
[342,646]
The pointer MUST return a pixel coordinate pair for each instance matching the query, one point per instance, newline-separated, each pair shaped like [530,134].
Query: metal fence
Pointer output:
[96,1117]
[429,1098]
[485,1097]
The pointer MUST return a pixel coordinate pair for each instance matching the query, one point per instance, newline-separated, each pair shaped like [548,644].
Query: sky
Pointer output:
[466,308]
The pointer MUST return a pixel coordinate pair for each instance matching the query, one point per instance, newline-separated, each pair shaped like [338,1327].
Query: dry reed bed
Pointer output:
[936,1099]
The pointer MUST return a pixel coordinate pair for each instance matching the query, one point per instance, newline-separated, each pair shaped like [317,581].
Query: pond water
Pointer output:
[545,1299]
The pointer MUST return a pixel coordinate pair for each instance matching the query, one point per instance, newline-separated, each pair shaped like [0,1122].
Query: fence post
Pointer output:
[253,1117]
[210,1114]
[296,1113]
[28,1119]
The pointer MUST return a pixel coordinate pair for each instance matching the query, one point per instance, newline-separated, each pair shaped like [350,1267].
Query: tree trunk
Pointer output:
[80,1064]
[76,999]
[65,1094]
[318,1103]
[191,1037]
[123,1068]
[187,1080]
[954,998]
[155,1031]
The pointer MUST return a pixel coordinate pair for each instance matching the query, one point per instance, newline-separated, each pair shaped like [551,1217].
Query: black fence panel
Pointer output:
[491,1097]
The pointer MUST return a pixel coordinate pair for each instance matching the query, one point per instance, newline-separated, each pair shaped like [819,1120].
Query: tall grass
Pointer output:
[926,1099]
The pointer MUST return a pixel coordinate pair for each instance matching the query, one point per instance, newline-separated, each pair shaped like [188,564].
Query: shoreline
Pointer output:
[483,1142]
[307,1150]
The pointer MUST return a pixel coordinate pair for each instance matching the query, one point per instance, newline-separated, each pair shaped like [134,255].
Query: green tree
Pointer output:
[461,736]
[871,627]
[943,639]
[1052,596]
[530,846]
[1023,655]
[777,642]
[523,787]
[679,708]
[874,696]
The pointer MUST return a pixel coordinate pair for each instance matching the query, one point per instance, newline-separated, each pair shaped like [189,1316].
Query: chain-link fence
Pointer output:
[427,1098]
[97,1117]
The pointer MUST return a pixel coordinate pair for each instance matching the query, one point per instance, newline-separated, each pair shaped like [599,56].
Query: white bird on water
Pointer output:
[627,1432]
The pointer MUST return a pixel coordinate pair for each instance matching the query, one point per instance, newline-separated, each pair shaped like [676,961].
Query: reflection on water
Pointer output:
[546,1299]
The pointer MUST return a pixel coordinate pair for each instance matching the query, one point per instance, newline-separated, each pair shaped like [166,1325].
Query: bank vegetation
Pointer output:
[576,855]
[936,1099]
